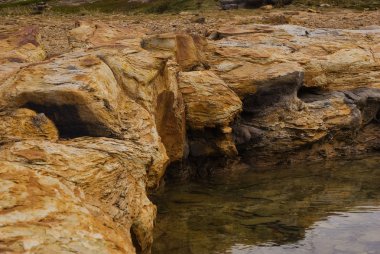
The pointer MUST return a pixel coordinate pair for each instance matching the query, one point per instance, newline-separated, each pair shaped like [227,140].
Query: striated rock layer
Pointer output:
[306,93]
[84,135]
[83,127]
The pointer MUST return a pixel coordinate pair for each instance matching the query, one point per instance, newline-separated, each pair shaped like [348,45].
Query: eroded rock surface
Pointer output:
[74,119]
[44,214]
[19,48]
[209,101]
[93,129]
[302,89]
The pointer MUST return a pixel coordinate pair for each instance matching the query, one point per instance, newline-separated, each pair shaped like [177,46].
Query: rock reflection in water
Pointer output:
[316,208]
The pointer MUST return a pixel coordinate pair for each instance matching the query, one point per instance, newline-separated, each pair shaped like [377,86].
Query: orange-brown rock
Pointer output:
[85,134]
[210,105]
[144,77]
[300,87]
[181,47]
[18,48]
[111,173]
[91,34]
[151,82]
[77,95]
[44,214]
[208,100]
[247,55]
[24,124]
[79,92]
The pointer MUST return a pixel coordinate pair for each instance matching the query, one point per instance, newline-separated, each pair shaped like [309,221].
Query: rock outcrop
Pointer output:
[85,120]
[306,93]
[84,135]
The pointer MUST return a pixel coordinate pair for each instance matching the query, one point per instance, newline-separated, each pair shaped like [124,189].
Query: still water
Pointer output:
[318,208]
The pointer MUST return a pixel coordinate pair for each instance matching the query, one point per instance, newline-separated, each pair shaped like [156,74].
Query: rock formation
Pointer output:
[74,119]
[85,134]
[304,92]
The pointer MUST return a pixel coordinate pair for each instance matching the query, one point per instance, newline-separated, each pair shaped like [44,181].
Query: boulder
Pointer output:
[151,82]
[343,69]
[90,34]
[211,107]
[79,93]
[209,102]
[146,78]
[180,47]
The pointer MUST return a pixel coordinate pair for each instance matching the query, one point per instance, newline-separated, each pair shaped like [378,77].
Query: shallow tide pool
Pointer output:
[330,207]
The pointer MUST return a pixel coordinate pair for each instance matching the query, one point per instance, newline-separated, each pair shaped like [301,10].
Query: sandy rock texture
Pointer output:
[86,133]
[88,120]
[19,48]
[44,214]
[306,92]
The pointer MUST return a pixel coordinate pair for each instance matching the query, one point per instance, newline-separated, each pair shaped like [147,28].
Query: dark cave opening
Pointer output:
[309,94]
[377,116]
[68,121]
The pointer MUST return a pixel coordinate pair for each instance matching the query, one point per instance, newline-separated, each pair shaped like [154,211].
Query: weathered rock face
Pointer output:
[89,34]
[209,101]
[18,49]
[148,79]
[118,168]
[44,214]
[211,107]
[182,47]
[84,135]
[24,124]
[88,119]
[302,90]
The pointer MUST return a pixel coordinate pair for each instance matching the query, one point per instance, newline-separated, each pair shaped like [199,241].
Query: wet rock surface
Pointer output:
[102,121]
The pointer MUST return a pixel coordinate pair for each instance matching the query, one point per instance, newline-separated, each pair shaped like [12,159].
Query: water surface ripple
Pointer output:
[330,207]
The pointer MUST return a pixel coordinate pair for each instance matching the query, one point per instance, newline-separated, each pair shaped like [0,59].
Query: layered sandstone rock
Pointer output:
[89,119]
[88,34]
[88,132]
[24,124]
[44,214]
[211,107]
[302,89]
[182,47]
[18,49]
[146,78]
[209,101]
[110,172]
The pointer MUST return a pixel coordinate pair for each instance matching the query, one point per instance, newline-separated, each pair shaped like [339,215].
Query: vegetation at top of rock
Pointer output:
[168,6]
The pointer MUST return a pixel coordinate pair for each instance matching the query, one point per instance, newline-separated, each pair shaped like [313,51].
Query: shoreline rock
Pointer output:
[103,122]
